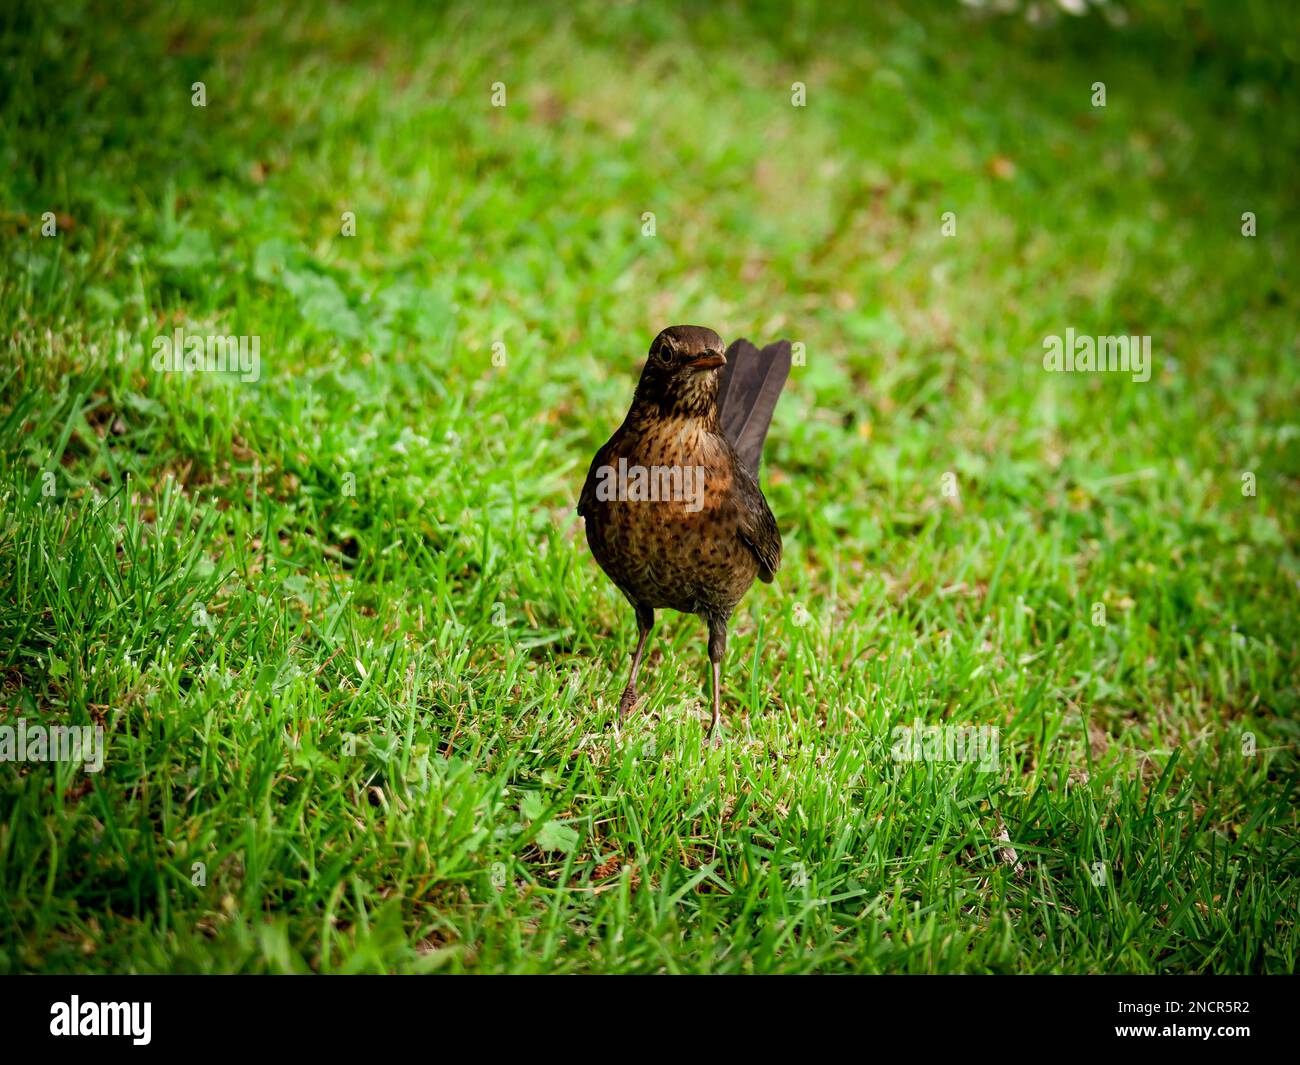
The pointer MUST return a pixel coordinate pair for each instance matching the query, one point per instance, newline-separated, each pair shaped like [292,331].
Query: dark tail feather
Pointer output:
[751,384]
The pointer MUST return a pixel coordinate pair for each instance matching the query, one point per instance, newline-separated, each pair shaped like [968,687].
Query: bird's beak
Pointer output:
[708,361]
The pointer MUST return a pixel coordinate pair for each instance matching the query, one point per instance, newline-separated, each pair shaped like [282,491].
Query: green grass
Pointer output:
[341,626]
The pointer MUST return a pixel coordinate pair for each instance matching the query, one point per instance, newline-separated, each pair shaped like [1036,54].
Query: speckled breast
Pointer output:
[669,537]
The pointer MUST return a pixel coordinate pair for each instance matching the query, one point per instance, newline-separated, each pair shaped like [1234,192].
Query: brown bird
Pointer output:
[673,511]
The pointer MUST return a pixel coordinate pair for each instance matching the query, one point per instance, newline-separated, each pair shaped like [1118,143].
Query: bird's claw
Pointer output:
[626,702]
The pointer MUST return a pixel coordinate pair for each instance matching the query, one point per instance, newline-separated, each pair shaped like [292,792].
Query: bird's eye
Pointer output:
[665,353]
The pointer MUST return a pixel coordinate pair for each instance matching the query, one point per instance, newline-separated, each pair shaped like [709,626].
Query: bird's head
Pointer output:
[681,374]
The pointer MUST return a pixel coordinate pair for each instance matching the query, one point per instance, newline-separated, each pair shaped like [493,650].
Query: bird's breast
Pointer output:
[665,520]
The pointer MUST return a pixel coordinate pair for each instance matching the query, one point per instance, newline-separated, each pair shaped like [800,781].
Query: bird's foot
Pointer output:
[713,738]
[626,702]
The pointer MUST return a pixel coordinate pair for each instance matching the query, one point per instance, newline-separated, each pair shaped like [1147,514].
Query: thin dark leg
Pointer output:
[717,648]
[645,620]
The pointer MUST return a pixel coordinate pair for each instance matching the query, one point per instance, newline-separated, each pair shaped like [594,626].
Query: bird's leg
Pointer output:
[717,648]
[645,619]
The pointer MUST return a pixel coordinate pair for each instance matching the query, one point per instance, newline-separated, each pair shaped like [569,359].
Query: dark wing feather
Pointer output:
[757,525]
[729,412]
[747,393]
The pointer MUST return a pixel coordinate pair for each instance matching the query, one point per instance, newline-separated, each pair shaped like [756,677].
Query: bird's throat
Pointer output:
[692,397]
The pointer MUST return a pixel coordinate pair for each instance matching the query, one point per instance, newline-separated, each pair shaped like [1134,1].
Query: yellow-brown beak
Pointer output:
[708,361]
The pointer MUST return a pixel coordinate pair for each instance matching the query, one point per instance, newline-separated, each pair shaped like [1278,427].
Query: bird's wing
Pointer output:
[758,528]
[750,385]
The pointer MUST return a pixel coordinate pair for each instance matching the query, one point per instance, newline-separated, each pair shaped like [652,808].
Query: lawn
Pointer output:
[355,667]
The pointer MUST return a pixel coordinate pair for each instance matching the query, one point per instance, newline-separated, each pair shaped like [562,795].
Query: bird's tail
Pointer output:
[750,385]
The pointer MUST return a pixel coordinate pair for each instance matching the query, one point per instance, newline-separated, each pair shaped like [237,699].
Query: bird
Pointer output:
[671,505]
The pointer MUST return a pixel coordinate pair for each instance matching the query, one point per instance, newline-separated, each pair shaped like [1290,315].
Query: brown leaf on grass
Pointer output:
[1002,168]
[549,107]
[607,869]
